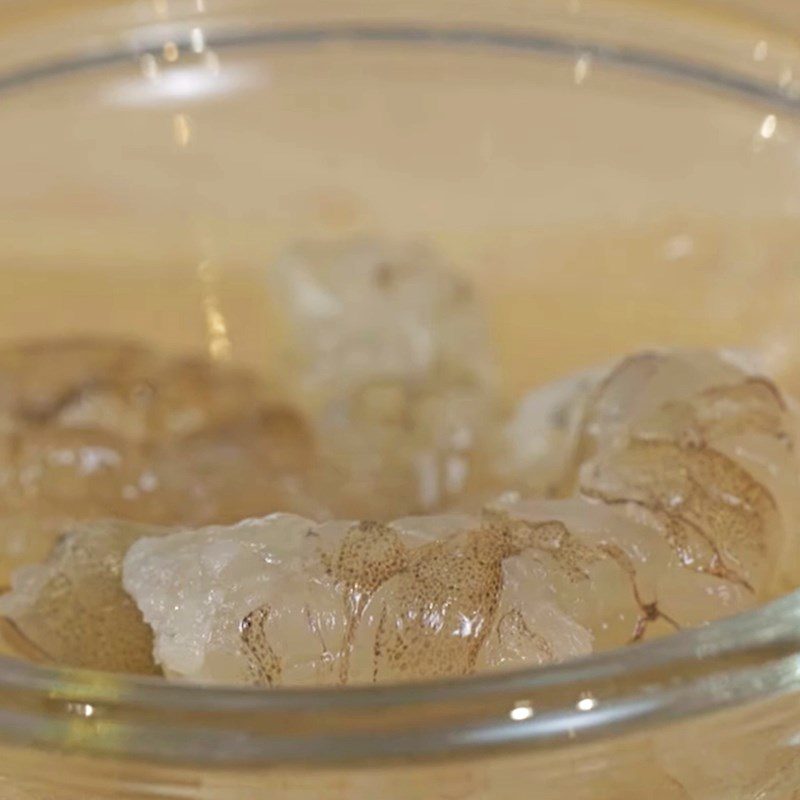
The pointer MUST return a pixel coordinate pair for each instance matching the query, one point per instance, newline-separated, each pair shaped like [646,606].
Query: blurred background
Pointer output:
[605,190]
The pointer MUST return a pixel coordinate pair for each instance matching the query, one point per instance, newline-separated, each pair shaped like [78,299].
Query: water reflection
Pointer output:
[769,126]
[582,66]
[219,343]
[182,130]
[198,40]
[586,703]
[187,82]
[521,711]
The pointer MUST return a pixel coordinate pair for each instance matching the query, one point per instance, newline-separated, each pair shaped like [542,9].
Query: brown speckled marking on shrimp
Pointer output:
[263,663]
[444,604]
[442,607]
[701,498]
[369,555]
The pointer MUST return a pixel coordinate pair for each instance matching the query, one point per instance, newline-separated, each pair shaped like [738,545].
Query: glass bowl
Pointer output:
[610,175]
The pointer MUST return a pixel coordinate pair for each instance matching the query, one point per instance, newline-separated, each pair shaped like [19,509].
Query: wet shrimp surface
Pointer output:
[382,516]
